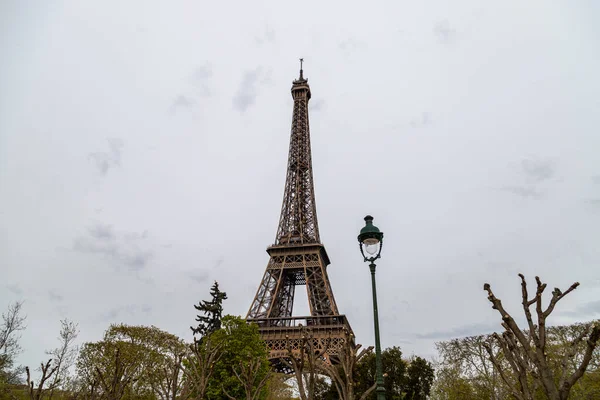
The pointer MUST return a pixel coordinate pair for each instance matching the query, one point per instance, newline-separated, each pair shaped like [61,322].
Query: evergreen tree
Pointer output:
[212,312]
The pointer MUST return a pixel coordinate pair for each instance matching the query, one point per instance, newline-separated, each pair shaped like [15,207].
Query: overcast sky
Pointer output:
[143,148]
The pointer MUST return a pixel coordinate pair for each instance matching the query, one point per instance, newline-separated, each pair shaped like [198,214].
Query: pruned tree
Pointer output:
[305,358]
[525,351]
[342,374]
[211,312]
[48,371]
[199,367]
[64,356]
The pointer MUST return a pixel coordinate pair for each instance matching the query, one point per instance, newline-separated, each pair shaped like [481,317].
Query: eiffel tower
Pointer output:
[298,257]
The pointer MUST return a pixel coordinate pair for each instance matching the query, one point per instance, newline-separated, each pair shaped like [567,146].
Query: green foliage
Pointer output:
[131,362]
[212,311]
[393,365]
[240,343]
[419,379]
[465,371]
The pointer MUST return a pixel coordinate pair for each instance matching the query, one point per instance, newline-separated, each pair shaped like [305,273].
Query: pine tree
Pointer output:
[212,312]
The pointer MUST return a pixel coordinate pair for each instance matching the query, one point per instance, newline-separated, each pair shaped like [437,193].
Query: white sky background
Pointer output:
[143,148]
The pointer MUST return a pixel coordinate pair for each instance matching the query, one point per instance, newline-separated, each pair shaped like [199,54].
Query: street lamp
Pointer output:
[370,241]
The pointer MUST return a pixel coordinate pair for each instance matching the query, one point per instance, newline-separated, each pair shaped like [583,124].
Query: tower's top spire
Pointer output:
[298,221]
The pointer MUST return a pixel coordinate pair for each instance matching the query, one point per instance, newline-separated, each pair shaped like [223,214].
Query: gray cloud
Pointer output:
[199,276]
[123,250]
[116,313]
[201,78]
[444,32]
[248,89]
[587,310]
[268,36]
[523,191]
[538,170]
[182,101]
[317,105]
[593,202]
[350,45]
[534,172]
[461,331]
[15,289]
[106,160]
[421,120]
[54,296]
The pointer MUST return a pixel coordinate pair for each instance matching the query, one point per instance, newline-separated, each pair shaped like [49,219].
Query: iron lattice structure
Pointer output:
[297,257]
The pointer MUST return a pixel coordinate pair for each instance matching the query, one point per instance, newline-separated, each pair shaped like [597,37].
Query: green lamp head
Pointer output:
[370,240]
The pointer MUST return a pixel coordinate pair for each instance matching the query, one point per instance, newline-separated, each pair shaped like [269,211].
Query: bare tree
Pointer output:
[305,357]
[342,374]
[37,393]
[200,366]
[525,351]
[64,355]
[12,323]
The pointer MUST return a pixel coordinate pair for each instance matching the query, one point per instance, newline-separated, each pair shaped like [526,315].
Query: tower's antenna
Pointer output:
[301,61]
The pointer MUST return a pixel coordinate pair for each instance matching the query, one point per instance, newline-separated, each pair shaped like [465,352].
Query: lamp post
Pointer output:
[370,241]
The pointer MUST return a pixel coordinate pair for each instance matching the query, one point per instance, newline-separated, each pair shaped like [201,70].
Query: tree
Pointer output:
[212,311]
[242,369]
[420,376]
[13,322]
[394,368]
[342,373]
[132,361]
[526,353]
[279,388]
[48,371]
[64,356]
[199,366]
[305,358]
[465,362]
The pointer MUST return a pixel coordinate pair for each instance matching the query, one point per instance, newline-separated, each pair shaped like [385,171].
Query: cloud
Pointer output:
[461,331]
[106,160]
[219,262]
[248,89]
[53,296]
[523,191]
[130,310]
[596,179]
[350,45]
[268,36]
[534,172]
[124,250]
[200,80]
[15,289]
[199,276]
[444,32]
[182,101]
[317,105]
[421,120]
[538,170]
[587,310]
